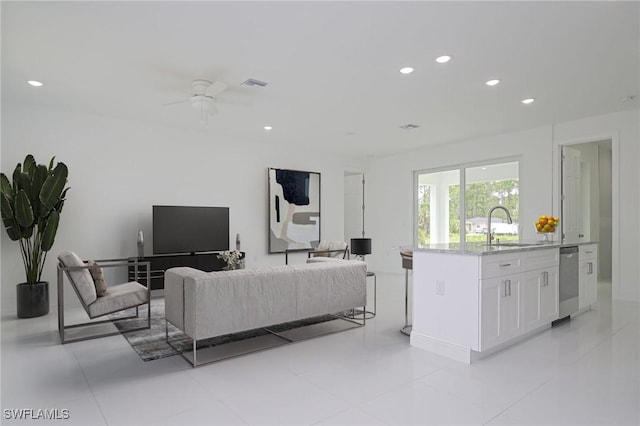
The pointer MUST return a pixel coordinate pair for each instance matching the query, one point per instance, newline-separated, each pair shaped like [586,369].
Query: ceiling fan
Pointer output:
[204,97]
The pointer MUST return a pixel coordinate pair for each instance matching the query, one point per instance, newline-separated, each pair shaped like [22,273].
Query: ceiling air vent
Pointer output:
[253,82]
[409,126]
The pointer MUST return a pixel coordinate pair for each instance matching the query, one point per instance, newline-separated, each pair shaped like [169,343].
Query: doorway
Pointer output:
[587,205]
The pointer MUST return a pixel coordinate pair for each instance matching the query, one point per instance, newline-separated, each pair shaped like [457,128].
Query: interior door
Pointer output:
[571,220]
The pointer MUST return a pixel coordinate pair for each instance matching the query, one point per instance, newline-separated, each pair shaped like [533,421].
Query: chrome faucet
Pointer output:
[489,233]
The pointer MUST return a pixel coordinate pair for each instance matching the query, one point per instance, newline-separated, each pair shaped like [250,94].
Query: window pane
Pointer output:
[438,207]
[486,187]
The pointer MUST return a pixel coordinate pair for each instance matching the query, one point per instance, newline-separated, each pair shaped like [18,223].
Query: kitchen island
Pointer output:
[472,299]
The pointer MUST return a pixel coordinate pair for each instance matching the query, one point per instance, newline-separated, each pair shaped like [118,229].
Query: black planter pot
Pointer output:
[32,299]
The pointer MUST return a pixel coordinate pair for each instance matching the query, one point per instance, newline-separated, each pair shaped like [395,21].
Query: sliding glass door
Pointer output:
[452,205]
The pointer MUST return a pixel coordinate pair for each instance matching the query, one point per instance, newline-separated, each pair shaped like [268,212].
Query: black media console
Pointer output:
[159,263]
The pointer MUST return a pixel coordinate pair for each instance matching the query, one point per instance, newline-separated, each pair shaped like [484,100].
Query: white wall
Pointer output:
[352,206]
[119,169]
[391,203]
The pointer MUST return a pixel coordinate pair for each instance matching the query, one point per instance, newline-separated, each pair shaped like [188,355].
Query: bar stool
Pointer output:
[407,263]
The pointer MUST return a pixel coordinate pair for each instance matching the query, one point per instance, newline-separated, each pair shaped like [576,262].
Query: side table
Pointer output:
[357,313]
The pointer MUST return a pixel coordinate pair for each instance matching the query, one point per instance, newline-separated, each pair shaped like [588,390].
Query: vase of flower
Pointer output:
[233,259]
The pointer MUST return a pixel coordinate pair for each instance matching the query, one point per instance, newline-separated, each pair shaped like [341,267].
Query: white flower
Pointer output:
[231,258]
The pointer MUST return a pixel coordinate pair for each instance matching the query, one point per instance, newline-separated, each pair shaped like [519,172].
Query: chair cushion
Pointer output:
[80,279]
[330,245]
[121,296]
[98,278]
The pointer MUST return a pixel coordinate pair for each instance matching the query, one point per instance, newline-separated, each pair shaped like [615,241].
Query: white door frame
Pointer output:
[614,136]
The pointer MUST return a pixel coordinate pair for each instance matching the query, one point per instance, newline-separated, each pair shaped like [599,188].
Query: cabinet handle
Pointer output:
[504,293]
[507,287]
[588,251]
[503,265]
[545,277]
[590,268]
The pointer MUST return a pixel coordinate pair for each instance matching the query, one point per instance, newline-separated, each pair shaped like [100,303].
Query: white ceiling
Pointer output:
[332,67]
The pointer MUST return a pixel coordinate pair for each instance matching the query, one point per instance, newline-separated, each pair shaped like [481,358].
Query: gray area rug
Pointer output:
[150,344]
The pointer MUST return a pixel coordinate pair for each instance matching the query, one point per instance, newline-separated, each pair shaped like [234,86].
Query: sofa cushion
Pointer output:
[81,278]
[98,278]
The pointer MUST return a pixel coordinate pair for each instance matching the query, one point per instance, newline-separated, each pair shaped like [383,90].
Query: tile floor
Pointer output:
[585,372]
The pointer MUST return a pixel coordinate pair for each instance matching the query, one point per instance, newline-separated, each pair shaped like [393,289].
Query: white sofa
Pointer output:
[210,304]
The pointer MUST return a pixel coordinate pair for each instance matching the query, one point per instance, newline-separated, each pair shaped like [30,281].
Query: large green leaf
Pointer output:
[25,184]
[52,188]
[50,229]
[29,165]
[16,173]
[27,232]
[8,219]
[63,198]
[5,186]
[39,176]
[23,210]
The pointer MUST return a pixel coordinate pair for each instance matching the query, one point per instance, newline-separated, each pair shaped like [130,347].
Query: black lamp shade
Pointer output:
[361,246]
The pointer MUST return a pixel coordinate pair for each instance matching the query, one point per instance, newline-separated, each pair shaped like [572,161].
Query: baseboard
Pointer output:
[440,347]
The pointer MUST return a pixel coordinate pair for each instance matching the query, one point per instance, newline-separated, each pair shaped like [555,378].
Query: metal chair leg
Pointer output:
[407,327]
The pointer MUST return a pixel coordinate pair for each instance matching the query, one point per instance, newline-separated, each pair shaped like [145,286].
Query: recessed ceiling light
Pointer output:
[35,83]
[528,101]
[406,70]
[443,59]
[268,127]
[492,82]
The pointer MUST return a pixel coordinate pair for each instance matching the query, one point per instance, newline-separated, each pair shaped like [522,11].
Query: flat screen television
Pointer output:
[184,229]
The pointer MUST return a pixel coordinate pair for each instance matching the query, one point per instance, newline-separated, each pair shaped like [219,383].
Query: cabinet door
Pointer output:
[532,283]
[588,283]
[549,295]
[588,275]
[499,310]
[539,298]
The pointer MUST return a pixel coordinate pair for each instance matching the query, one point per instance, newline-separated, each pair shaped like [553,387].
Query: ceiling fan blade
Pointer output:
[215,89]
[176,102]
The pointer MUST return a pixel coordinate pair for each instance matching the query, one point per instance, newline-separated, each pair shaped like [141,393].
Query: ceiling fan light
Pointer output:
[203,103]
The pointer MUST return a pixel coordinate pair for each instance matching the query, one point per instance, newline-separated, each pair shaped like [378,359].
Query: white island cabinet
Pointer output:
[474,301]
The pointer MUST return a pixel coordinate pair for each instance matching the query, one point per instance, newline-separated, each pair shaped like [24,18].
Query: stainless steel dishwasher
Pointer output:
[568,290]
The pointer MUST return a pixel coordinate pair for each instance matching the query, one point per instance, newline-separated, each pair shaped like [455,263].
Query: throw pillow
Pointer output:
[98,278]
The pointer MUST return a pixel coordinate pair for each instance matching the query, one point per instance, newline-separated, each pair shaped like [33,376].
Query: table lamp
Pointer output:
[360,247]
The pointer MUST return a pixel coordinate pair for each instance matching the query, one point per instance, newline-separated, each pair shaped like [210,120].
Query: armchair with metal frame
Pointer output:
[119,297]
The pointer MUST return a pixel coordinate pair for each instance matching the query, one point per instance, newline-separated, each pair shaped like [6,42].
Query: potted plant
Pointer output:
[31,207]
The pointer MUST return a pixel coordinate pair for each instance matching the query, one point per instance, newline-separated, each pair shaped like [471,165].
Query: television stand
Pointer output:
[159,263]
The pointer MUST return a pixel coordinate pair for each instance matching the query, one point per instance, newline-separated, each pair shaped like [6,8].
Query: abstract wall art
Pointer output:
[294,210]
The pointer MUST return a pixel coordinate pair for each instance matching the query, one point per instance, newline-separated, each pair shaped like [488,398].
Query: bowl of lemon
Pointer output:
[546,225]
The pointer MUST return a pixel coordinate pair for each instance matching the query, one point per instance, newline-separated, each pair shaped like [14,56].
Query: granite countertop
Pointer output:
[481,249]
